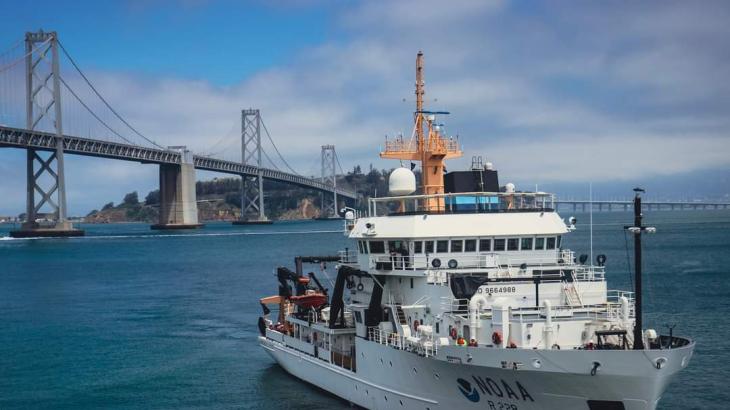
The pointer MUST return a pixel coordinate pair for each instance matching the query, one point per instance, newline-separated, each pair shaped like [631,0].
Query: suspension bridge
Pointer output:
[87,124]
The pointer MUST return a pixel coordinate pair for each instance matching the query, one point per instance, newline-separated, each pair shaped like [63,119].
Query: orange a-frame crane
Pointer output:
[431,150]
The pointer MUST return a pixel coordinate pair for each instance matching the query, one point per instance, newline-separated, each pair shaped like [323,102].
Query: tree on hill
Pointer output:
[153,198]
[131,199]
[109,205]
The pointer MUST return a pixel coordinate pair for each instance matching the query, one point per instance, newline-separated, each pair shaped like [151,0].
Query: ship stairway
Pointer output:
[400,323]
[571,293]
[400,314]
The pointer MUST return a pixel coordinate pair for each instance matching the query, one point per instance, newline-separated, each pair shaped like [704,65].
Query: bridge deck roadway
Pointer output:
[43,141]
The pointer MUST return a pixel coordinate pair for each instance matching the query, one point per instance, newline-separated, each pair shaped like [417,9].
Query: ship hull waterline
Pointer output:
[388,378]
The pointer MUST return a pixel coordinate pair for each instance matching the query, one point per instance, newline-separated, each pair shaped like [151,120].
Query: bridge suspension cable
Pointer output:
[88,82]
[277,149]
[92,112]
[20,59]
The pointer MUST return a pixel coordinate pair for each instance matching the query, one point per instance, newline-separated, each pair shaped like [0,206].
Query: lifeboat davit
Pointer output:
[310,300]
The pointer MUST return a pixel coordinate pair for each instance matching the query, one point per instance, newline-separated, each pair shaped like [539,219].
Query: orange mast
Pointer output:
[431,150]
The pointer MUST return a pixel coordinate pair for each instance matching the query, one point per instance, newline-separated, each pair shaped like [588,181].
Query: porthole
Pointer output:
[362,354]
[436,376]
[386,398]
[381,360]
[415,370]
[391,363]
[401,402]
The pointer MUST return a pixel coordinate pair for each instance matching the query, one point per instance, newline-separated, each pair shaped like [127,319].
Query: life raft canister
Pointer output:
[497,338]
[453,333]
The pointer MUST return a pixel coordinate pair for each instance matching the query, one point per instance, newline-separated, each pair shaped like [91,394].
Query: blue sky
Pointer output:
[551,92]
[220,42]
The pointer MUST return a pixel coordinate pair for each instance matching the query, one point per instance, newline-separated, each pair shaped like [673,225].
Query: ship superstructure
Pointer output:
[463,295]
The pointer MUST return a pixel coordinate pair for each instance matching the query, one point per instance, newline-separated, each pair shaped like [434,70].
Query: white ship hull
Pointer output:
[388,378]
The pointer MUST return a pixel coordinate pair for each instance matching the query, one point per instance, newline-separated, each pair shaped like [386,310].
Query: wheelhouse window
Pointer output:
[397,246]
[485,245]
[526,244]
[377,247]
[550,243]
[417,247]
[470,245]
[429,246]
[442,246]
[499,244]
[560,240]
[513,244]
[457,245]
[539,244]
[359,247]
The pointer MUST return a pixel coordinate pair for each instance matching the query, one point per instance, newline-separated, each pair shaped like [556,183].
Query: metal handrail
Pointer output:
[490,201]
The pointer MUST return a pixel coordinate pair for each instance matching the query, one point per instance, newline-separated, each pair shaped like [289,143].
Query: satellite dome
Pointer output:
[509,188]
[402,181]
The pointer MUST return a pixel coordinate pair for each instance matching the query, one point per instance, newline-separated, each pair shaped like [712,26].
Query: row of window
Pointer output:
[462,245]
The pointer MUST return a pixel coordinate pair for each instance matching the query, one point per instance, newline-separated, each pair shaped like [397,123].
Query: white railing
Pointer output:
[453,305]
[415,344]
[385,338]
[465,202]
[590,273]
[347,256]
[610,310]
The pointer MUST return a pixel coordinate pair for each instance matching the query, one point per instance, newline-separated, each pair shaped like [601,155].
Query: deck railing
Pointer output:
[413,344]
[465,202]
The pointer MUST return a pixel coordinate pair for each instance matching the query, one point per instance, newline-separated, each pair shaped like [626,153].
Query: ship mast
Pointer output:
[637,230]
[431,148]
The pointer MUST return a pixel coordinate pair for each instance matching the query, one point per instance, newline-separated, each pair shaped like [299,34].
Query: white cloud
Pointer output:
[559,93]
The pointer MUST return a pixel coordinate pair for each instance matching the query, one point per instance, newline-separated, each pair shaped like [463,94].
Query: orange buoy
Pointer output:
[497,338]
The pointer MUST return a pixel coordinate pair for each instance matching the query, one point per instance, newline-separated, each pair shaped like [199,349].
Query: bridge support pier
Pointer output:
[178,206]
[43,107]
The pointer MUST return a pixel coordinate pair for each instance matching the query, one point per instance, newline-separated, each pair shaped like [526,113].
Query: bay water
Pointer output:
[129,318]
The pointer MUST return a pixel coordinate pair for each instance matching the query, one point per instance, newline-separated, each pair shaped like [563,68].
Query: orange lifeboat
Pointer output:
[309,300]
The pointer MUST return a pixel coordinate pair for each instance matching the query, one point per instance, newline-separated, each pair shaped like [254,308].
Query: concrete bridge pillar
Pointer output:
[178,206]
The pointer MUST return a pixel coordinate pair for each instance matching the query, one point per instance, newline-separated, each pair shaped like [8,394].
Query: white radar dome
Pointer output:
[509,188]
[489,166]
[402,181]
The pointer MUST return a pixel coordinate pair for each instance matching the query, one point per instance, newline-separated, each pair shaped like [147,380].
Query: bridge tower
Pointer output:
[43,109]
[329,177]
[252,187]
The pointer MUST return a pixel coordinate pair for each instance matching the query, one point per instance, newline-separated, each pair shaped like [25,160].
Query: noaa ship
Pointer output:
[462,296]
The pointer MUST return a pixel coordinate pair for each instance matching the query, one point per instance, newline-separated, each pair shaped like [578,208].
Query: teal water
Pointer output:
[128,318]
